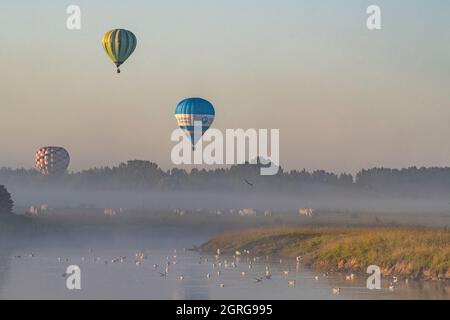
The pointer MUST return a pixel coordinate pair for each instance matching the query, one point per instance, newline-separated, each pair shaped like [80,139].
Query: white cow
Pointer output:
[109,212]
[306,212]
[248,212]
[34,211]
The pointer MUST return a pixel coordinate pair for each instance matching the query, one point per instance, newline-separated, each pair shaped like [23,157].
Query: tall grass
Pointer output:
[423,253]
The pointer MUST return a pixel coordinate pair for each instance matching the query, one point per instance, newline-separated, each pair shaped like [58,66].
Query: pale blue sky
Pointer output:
[343,97]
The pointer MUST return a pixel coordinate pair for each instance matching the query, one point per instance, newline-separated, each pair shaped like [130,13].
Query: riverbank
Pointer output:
[403,252]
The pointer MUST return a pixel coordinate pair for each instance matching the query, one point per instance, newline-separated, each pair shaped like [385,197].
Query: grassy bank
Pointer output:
[415,253]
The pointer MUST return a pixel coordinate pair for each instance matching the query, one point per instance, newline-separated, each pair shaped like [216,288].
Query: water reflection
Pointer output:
[5,267]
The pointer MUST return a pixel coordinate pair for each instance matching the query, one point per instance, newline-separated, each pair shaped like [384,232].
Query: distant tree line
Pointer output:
[139,174]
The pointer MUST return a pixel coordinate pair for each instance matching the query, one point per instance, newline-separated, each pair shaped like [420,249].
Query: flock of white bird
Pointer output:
[218,264]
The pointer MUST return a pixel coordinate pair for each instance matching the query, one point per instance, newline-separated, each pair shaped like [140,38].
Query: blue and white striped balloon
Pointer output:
[193,110]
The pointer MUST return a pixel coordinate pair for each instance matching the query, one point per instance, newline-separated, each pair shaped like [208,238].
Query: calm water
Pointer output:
[41,276]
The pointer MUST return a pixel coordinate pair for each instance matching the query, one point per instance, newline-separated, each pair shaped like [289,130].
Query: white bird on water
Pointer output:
[208,276]
[337,291]
[316,277]
[292,283]
[181,277]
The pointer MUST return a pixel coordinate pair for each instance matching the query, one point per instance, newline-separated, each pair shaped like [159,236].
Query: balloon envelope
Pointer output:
[119,44]
[193,110]
[52,160]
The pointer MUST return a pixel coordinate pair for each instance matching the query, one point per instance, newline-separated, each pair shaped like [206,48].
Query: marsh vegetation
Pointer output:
[406,252]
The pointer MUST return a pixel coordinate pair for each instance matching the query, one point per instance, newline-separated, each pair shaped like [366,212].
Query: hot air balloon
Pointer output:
[193,110]
[119,44]
[52,160]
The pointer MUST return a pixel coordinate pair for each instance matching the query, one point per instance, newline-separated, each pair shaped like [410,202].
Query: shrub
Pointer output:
[6,203]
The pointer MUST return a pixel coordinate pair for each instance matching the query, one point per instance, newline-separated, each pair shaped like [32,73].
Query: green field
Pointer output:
[405,252]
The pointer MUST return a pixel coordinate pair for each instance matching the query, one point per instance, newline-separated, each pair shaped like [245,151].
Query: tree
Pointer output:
[6,203]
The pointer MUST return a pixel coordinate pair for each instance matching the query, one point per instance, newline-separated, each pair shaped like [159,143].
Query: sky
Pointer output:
[342,96]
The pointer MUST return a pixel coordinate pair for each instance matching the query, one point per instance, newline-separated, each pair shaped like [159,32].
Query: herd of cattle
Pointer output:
[246,212]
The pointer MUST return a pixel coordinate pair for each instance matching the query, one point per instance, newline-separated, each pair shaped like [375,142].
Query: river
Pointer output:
[34,268]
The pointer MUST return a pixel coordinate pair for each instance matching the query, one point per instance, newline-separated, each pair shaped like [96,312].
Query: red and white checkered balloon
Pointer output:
[52,160]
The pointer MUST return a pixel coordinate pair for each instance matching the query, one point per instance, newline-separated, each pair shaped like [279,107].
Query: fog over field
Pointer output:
[218,200]
[142,185]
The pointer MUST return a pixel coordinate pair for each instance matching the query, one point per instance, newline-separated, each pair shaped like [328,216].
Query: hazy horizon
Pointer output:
[343,97]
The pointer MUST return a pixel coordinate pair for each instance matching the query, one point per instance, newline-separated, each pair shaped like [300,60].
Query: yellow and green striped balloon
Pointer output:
[119,44]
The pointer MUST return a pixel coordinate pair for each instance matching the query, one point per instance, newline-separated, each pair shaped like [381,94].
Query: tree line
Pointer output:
[138,174]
